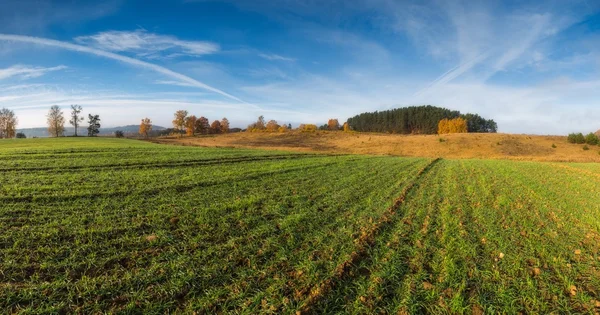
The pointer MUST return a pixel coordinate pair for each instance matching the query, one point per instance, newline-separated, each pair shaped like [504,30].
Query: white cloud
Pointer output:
[116,108]
[124,59]
[276,57]
[147,45]
[176,83]
[27,72]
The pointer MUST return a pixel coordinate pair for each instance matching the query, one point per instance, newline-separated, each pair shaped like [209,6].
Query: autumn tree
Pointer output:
[456,125]
[56,121]
[346,127]
[224,125]
[179,120]
[202,125]
[75,117]
[190,125]
[8,123]
[215,127]
[307,128]
[272,126]
[259,125]
[333,124]
[283,128]
[93,125]
[145,127]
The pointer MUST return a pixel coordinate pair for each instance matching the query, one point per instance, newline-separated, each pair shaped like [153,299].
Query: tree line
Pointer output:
[417,120]
[409,120]
[55,120]
[191,125]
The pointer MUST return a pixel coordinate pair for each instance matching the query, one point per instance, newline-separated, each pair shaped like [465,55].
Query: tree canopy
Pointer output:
[416,120]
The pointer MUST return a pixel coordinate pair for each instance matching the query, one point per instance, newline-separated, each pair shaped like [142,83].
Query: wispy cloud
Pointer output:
[124,59]
[147,45]
[27,72]
[480,40]
[31,103]
[176,83]
[276,57]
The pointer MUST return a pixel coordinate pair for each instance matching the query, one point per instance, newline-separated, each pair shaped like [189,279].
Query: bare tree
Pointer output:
[56,121]
[8,123]
[75,117]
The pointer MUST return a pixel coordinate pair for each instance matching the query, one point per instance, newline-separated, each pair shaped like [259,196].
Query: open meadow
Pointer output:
[451,146]
[91,225]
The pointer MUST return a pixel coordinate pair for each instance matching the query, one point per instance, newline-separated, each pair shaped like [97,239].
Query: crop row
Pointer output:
[248,235]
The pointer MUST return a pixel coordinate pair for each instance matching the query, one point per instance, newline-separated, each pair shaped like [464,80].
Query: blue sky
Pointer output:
[532,67]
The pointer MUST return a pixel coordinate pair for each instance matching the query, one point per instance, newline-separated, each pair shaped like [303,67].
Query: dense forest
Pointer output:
[416,120]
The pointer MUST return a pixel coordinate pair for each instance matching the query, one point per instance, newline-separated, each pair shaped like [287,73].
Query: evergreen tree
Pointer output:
[416,120]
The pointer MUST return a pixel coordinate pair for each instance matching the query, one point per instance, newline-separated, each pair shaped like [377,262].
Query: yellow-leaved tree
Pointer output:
[346,127]
[456,125]
[145,127]
[179,120]
[224,125]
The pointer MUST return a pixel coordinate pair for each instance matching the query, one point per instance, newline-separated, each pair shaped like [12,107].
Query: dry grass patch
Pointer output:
[453,146]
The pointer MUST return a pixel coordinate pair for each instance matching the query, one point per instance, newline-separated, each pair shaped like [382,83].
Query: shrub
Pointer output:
[307,128]
[585,147]
[554,146]
[576,138]
[119,134]
[21,135]
[591,139]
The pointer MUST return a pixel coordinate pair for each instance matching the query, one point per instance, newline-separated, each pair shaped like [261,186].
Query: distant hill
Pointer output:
[69,131]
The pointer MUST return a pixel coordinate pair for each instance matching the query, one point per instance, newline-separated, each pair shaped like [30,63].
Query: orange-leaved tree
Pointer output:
[190,125]
[272,126]
[145,127]
[333,124]
[224,125]
[215,127]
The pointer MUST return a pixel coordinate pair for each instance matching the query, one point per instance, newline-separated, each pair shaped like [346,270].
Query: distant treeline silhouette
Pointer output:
[416,120]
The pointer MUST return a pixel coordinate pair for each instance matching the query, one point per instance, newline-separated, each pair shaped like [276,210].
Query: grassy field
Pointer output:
[112,225]
[451,146]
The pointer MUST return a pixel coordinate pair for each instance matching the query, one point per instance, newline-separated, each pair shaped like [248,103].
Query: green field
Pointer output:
[111,225]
